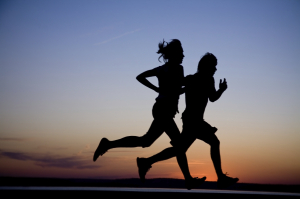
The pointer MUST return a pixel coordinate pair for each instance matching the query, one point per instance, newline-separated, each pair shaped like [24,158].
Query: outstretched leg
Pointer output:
[155,130]
[181,142]
[105,144]
[179,151]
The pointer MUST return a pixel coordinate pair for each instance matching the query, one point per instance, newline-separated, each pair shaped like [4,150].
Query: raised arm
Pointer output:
[215,95]
[142,79]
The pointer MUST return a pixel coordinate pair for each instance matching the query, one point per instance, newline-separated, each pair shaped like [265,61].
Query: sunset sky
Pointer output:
[68,78]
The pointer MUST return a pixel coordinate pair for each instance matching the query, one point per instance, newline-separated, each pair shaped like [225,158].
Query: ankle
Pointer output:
[221,175]
[188,177]
[149,161]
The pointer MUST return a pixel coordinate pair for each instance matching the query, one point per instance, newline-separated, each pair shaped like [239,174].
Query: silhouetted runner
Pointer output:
[170,79]
[198,89]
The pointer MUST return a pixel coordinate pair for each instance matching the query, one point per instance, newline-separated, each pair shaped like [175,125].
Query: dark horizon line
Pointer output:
[136,183]
[107,179]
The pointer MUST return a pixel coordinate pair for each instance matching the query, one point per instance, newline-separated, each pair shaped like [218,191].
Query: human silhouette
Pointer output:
[198,89]
[170,80]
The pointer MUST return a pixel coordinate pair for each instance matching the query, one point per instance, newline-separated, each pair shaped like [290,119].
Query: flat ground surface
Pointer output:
[123,192]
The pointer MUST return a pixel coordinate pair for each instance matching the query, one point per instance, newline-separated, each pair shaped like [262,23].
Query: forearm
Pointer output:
[146,83]
[216,95]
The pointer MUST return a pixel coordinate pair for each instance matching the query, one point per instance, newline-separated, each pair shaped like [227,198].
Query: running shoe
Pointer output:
[142,167]
[102,148]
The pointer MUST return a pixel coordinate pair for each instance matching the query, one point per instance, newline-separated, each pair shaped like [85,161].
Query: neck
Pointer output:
[173,62]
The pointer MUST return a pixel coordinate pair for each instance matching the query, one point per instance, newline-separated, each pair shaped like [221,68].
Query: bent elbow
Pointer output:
[138,78]
[212,99]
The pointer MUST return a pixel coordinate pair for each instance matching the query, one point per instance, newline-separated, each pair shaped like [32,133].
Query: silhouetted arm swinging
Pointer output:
[215,95]
[142,79]
[182,89]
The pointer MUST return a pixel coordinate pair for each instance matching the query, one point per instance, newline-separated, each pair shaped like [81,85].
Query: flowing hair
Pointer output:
[168,49]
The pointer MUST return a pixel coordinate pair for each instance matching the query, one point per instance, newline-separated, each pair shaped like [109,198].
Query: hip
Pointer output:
[164,109]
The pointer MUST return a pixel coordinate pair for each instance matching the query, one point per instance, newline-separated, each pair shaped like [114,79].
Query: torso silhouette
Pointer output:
[198,88]
[170,79]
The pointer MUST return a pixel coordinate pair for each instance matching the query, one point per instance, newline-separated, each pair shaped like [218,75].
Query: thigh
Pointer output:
[155,131]
[201,130]
[164,109]
[171,128]
[159,126]
[207,134]
[209,138]
[185,140]
[163,114]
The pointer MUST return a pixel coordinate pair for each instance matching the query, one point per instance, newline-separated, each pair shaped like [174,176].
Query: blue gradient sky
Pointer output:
[67,79]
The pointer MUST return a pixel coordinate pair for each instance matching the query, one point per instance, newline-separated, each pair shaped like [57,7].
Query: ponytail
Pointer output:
[167,49]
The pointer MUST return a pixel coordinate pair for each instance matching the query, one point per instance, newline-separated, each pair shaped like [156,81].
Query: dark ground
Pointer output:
[131,195]
[150,183]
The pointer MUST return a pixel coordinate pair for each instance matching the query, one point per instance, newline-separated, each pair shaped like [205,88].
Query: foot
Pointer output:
[143,168]
[225,181]
[102,148]
[194,183]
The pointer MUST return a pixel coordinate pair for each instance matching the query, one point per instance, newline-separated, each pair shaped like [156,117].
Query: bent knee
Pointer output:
[145,142]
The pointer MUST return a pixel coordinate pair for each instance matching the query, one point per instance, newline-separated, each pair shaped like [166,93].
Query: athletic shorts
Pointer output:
[164,109]
[194,129]
[197,128]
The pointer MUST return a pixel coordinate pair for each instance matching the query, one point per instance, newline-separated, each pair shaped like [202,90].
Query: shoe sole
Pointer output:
[201,181]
